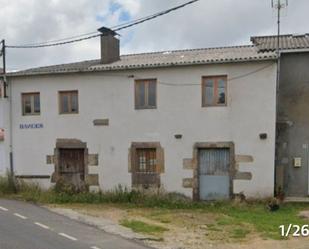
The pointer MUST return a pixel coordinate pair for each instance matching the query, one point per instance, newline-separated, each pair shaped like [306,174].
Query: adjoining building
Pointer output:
[292,150]
[201,122]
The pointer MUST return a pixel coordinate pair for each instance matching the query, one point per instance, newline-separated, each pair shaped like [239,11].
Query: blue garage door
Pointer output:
[214,177]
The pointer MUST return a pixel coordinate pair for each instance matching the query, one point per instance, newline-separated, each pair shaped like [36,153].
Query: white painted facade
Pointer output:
[250,110]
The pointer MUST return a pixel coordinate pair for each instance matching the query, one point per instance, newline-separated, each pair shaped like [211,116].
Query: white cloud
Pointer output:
[132,6]
[207,23]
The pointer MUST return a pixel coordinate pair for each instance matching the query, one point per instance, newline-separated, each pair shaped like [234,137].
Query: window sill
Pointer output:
[68,113]
[146,108]
[205,106]
[31,114]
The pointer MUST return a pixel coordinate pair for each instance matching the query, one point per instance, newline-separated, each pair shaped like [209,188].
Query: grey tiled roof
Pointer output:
[159,59]
[269,43]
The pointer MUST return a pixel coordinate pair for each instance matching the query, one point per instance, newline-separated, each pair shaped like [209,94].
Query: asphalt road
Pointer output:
[27,226]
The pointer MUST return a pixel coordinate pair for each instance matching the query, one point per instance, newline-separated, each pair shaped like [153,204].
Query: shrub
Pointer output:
[8,184]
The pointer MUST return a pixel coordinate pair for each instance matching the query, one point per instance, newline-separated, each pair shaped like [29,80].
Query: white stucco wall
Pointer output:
[250,111]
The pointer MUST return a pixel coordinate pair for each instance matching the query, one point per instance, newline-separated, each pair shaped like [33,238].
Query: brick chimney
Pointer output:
[110,51]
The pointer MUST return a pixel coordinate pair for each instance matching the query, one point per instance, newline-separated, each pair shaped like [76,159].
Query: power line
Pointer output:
[55,44]
[95,34]
[86,34]
[62,39]
[157,15]
[229,79]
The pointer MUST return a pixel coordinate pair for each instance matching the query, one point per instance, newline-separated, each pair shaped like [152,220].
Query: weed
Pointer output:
[142,227]
[8,184]
[239,233]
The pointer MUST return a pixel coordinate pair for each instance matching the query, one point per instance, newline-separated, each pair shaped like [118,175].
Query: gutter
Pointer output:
[11,130]
[97,68]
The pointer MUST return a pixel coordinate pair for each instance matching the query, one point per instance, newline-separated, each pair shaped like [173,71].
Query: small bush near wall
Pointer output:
[62,193]
[7,185]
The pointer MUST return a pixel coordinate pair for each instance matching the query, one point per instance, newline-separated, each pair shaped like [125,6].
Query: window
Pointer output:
[146,164]
[146,160]
[68,102]
[214,91]
[145,94]
[31,103]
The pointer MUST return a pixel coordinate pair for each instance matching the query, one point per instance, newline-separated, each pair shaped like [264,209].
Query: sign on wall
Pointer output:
[31,126]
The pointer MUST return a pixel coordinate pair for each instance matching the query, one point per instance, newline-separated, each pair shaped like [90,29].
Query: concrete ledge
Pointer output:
[101,122]
[32,176]
[243,176]
[66,143]
[243,159]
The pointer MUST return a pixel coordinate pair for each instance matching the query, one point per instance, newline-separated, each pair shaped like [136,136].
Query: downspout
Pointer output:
[11,130]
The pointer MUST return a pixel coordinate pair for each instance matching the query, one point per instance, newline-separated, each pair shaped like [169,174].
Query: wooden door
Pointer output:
[72,166]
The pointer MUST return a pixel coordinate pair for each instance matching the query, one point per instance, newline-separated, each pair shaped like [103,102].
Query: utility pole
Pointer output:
[3,53]
[278,5]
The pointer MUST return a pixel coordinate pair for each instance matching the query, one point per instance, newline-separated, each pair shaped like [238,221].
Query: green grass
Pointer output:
[142,227]
[265,222]
[239,233]
[7,185]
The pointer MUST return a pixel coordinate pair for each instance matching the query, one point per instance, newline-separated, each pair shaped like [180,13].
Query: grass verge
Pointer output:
[142,227]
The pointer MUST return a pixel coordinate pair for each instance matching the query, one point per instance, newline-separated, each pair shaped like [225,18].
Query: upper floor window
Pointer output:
[31,103]
[68,102]
[146,94]
[214,90]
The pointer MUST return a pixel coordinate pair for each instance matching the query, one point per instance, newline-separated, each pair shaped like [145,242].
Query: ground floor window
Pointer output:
[146,160]
[147,164]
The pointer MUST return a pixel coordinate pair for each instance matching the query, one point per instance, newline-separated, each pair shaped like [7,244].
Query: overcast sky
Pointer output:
[207,23]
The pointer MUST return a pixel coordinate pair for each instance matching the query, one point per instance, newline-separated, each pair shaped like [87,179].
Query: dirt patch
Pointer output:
[191,229]
[304,214]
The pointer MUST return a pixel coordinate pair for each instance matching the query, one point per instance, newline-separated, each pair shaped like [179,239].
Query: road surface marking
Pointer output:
[3,209]
[94,247]
[67,236]
[20,216]
[41,225]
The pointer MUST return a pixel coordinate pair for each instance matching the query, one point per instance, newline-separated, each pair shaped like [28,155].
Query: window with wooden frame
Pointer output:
[68,102]
[146,160]
[214,91]
[146,94]
[146,163]
[31,104]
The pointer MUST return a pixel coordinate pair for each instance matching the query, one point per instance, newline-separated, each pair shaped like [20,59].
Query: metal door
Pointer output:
[72,166]
[214,176]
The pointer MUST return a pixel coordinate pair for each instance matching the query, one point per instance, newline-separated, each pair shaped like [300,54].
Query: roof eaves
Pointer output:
[144,66]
